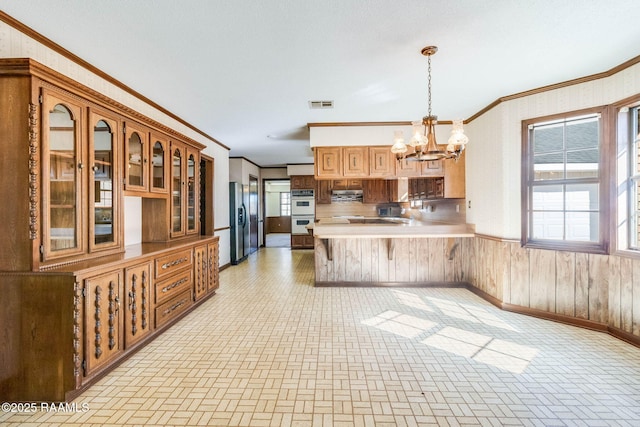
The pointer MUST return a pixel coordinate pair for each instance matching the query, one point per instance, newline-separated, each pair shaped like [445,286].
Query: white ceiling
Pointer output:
[243,71]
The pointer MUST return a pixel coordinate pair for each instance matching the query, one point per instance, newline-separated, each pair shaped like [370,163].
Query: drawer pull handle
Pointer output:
[174,307]
[174,263]
[174,284]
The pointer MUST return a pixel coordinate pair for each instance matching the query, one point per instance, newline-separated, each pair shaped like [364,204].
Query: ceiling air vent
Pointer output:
[320,104]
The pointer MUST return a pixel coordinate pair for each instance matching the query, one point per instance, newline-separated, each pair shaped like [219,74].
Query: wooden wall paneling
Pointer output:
[502,267]
[635,310]
[320,261]
[365,260]
[468,259]
[383,260]
[519,276]
[339,258]
[566,283]
[414,259]
[582,286]
[403,265]
[422,259]
[542,275]
[615,292]
[598,288]
[352,260]
[436,259]
[626,293]
[375,260]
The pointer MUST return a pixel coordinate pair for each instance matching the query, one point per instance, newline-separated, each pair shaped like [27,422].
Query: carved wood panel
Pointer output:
[102,320]
[137,310]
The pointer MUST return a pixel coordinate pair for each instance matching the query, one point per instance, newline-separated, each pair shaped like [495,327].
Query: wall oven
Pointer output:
[299,223]
[302,202]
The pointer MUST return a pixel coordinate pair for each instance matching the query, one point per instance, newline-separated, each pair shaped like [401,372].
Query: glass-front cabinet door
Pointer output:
[177,190]
[103,190]
[136,145]
[192,192]
[159,164]
[63,173]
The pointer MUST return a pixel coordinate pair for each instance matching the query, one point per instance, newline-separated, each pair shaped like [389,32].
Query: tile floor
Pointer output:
[270,349]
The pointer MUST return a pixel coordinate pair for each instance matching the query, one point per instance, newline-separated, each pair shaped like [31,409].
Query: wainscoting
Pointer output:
[596,291]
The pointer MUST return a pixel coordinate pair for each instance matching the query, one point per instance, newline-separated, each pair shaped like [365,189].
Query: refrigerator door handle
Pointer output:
[244,215]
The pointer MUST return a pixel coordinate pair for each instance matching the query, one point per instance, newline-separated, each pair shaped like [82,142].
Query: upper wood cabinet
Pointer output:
[136,157]
[433,168]
[302,182]
[454,178]
[355,162]
[184,190]
[375,191]
[382,162]
[64,188]
[323,191]
[104,192]
[159,155]
[328,162]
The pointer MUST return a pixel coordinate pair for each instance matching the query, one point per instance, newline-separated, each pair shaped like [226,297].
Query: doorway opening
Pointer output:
[277,213]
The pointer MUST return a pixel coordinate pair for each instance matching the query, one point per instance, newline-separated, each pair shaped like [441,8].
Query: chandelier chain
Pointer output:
[429,81]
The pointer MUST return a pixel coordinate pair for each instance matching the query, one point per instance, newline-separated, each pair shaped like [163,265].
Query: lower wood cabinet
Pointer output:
[203,265]
[301,241]
[137,303]
[73,323]
[103,338]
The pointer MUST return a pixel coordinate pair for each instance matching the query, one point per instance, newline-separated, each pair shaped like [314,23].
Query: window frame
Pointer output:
[622,226]
[287,202]
[604,181]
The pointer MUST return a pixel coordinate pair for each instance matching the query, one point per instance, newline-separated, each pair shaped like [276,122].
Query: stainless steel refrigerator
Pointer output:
[239,221]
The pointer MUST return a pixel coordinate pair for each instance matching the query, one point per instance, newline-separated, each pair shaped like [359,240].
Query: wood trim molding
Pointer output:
[29,32]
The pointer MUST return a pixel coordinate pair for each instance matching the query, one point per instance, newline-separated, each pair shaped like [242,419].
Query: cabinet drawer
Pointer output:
[173,262]
[173,285]
[172,308]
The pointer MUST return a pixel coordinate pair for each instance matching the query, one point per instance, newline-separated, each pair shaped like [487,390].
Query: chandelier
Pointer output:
[423,139]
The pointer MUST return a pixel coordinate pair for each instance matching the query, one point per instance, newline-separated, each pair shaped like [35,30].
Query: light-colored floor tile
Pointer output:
[271,349]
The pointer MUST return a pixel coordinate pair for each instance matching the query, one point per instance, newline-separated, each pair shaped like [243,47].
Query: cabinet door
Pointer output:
[191,209]
[433,168]
[308,182]
[323,191]
[159,166]
[103,320]
[407,168]
[214,275]
[201,271]
[297,182]
[63,191]
[328,162]
[382,162]
[454,176]
[356,162]
[178,160]
[375,191]
[136,146]
[137,313]
[104,194]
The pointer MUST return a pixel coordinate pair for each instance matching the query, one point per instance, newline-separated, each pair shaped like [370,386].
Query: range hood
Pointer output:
[346,196]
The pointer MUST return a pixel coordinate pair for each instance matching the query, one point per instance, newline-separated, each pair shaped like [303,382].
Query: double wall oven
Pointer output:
[302,210]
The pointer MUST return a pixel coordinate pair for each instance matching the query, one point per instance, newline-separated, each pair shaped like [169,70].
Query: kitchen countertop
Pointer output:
[376,227]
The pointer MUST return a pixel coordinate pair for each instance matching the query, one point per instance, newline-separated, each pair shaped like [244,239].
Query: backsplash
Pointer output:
[446,210]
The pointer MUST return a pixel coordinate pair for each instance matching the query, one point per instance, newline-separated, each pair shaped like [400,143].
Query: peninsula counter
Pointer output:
[388,252]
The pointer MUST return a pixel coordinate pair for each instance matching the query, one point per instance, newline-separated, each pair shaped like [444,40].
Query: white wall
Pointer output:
[494,151]
[14,44]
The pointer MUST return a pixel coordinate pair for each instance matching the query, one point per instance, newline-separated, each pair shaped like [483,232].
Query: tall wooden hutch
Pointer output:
[75,300]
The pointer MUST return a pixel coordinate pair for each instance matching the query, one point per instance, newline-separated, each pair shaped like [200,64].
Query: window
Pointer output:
[285,204]
[629,177]
[564,183]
